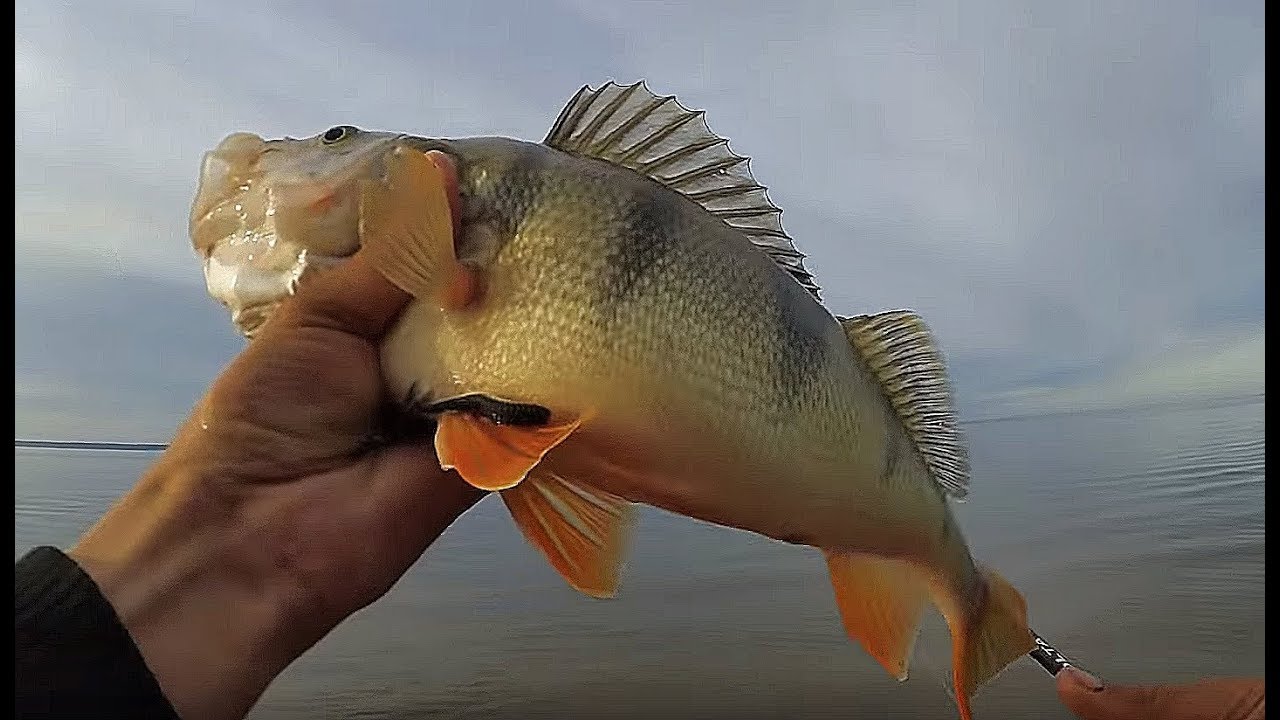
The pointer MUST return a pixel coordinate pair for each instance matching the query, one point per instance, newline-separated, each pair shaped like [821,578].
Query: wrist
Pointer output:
[214,615]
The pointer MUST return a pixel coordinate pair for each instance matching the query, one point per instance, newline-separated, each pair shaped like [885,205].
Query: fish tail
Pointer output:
[881,601]
[407,228]
[987,636]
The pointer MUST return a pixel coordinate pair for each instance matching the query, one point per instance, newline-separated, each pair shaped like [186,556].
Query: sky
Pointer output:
[1071,194]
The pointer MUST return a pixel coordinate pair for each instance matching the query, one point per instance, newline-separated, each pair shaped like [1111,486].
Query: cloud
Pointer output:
[1199,370]
[1066,191]
[111,357]
[992,162]
[116,104]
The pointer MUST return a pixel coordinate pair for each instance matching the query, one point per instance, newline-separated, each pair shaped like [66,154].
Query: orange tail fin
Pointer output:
[881,601]
[987,638]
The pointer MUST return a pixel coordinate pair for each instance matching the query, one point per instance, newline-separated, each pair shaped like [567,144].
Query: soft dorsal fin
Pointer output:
[899,349]
[656,136]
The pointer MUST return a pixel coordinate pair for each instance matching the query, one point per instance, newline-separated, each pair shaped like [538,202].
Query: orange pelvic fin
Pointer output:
[408,223]
[581,531]
[492,456]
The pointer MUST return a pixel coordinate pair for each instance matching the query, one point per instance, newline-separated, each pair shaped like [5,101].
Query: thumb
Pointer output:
[351,297]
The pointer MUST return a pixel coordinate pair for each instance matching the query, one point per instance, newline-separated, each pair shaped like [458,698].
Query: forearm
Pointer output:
[188,572]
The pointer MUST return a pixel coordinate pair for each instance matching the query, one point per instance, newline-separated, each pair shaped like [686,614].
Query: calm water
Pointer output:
[1137,539]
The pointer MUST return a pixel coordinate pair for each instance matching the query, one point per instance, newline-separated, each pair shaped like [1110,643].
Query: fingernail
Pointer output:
[1083,678]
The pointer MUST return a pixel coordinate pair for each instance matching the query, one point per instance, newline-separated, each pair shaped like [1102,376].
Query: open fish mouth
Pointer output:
[253,269]
[251,290]
[267,212]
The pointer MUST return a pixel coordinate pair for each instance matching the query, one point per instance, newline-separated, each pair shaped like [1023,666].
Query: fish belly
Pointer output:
[773,486]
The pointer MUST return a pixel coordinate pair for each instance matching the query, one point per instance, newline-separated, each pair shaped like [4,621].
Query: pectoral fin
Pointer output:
[581,531]
[492,456]
[407,225]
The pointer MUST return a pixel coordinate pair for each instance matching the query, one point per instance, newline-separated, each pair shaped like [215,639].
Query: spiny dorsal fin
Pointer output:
[898,348]
[656,136]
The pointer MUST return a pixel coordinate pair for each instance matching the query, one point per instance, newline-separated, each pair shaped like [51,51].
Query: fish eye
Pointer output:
[337,134]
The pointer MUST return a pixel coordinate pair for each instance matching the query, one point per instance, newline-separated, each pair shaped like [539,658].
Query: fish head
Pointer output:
[268,211]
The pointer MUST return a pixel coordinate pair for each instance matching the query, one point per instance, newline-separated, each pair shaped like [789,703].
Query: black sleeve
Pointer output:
[72,656]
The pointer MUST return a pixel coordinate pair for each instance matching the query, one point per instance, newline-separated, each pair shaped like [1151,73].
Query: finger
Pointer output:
[351,297]
[1086,698]
[1219,699]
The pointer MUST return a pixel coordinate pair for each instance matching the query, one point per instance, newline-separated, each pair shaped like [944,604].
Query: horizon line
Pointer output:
[1215,402]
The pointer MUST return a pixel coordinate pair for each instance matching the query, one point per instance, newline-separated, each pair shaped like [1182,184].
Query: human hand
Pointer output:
[267,521]
[1215,699]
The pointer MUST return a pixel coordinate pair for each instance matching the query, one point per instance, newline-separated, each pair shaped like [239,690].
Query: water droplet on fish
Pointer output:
[204,425]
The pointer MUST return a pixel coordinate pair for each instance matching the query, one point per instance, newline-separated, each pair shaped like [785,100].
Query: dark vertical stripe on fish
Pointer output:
[801,328]
[649,234]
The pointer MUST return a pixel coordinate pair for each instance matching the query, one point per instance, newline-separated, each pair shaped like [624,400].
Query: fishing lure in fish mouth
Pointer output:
[616,315]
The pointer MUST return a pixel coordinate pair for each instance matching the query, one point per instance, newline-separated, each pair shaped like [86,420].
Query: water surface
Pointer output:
[1137,538]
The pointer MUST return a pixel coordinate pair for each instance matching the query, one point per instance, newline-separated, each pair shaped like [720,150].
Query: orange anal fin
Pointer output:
[581,531]
[408,223]
[880,601]
[492,456]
